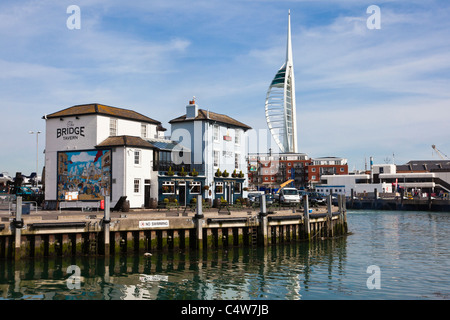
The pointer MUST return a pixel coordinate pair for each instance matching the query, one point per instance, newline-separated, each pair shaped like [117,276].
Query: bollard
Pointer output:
[106,224]
[306,217]
[199,223]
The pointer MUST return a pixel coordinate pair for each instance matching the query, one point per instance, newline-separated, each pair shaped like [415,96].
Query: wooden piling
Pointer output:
[307,227]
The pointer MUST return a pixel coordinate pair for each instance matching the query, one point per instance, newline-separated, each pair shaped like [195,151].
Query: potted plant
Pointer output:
[194,173]
[234,174]
[218,173]
[223,201]
[241,175]
[225,174]
[170,172]
[182,172]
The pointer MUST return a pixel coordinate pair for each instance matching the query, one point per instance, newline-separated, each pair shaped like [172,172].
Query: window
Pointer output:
[137,157]
[266,179]
[237,136]
[216,158]
[219,187]
[271,178]
[137,185]
[168,187]
[342,169]
[113,127]
[237,187]
[313,177]
[143,130]
[313,169]
[236,160]
[195,187]
[216,133]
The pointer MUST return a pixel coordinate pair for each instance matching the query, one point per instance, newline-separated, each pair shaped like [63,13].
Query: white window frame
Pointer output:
[143,130]
[194,184]
[137,157]
[112,127]
[216,160]
[171,186]
[137,185]
[237,160]
[216,133]
[218,184]
[237,137]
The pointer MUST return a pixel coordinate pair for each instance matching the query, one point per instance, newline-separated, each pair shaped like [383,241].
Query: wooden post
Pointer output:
[344,215]
[306,217]
[352,194]
[199,223]
[18,224]
[263,223]
[329,216]
[341,202]
[106,225]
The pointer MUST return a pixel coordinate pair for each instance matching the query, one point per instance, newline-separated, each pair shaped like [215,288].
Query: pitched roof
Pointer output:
[129,141]
[212,116]
[95,108]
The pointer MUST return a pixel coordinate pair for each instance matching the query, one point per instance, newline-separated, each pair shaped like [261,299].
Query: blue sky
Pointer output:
[360,92]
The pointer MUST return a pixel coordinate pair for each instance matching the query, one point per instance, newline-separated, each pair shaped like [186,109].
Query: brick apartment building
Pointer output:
[268,171]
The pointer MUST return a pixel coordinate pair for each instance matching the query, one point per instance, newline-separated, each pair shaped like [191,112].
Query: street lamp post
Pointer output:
[37,152]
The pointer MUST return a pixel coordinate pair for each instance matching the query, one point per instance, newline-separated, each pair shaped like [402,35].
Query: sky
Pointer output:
[361,91]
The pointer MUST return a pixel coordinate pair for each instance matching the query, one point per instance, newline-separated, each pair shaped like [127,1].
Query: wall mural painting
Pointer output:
[84,175]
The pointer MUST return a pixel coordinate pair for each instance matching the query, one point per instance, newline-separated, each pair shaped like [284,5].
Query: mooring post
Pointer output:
[306,217]
[375,196]
[199,222]
[341,201]
[329,215]
[352,194]
[344,214]
[18,225]
[263,225]
[106,224]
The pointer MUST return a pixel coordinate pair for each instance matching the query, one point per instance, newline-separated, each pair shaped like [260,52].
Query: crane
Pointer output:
[441,155]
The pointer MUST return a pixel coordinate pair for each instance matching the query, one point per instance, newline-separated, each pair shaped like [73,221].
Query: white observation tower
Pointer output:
[280,103]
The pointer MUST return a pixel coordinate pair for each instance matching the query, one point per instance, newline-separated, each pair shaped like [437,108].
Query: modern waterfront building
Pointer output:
[280,104]
[94,150]
[217,145]
[415,178]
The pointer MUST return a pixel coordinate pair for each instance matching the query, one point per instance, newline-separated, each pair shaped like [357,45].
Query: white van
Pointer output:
[289,195]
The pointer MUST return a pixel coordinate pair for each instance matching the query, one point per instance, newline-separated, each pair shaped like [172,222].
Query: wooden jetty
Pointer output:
[69,233]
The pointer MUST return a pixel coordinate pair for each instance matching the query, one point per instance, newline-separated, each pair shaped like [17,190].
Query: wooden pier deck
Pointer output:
[70,233]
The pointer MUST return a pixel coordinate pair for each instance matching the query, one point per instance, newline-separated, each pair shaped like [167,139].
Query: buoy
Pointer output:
[147,254]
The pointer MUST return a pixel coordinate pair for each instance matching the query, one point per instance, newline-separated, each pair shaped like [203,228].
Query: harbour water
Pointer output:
[389,255]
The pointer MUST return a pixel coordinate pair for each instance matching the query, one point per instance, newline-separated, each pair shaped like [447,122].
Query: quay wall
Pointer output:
[146,232]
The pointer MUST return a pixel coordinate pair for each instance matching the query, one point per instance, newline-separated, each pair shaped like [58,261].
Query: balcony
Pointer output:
[165,165]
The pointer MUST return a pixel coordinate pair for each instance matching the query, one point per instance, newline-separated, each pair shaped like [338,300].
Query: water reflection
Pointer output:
[278,272]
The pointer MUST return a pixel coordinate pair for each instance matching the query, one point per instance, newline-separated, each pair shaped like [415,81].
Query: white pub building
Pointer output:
[94,150]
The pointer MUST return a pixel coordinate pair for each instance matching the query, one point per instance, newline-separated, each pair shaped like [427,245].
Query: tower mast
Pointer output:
[280,102]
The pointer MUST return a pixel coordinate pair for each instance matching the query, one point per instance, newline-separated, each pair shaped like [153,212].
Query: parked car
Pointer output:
[317,198]
[289,195]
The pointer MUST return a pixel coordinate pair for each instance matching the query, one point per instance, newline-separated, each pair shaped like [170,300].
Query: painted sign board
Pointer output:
[154,224]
